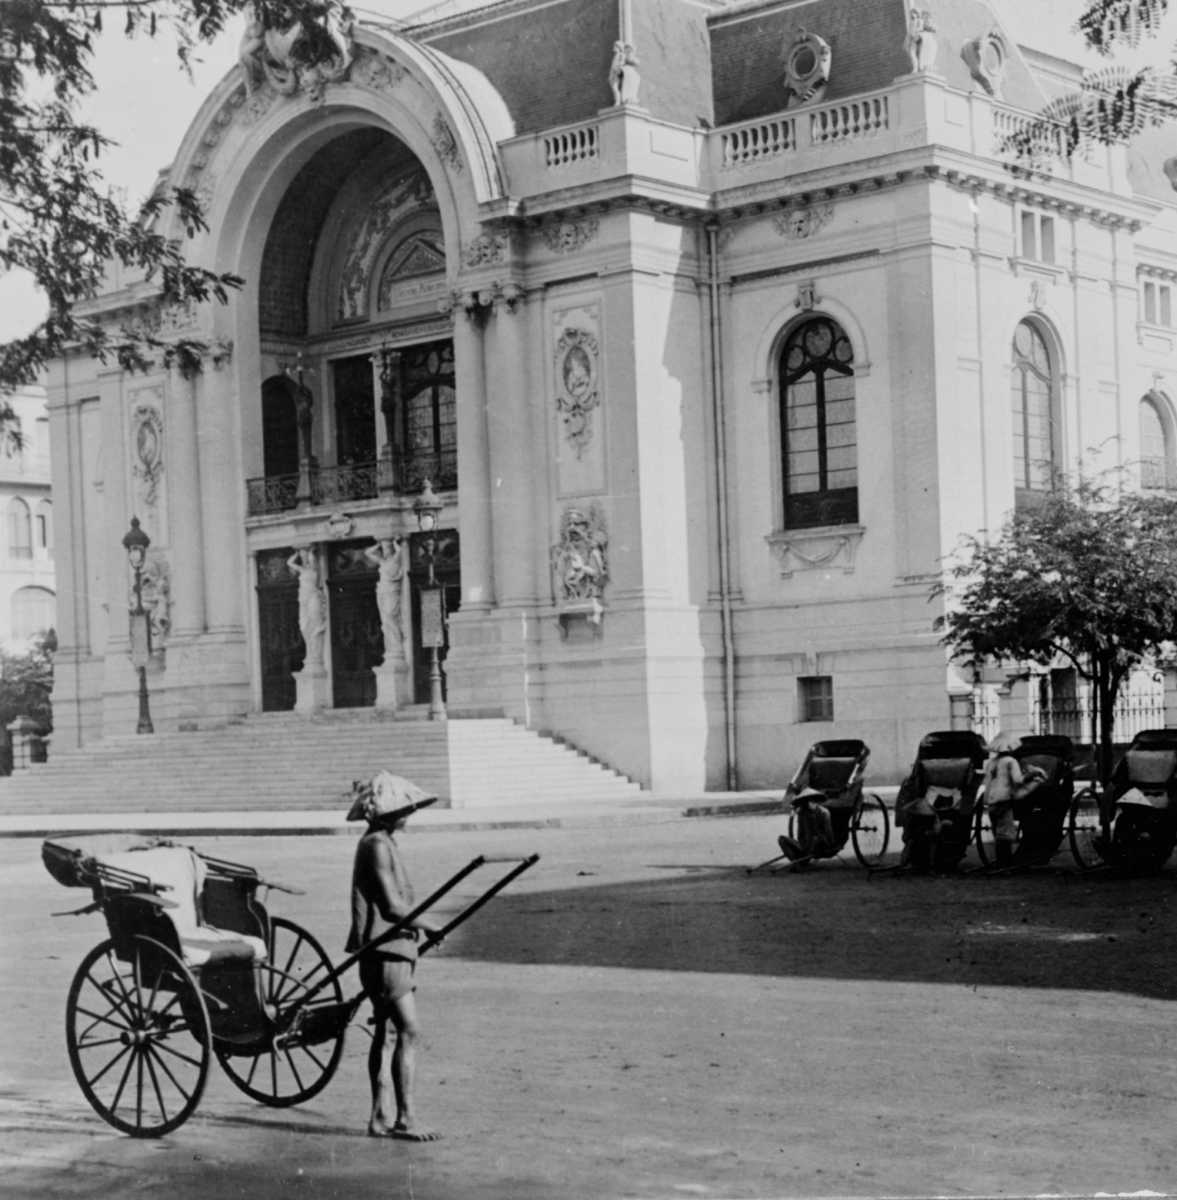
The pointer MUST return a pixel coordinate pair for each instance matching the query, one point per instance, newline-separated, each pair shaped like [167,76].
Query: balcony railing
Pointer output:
[829,124]
[567,146]
[404,475]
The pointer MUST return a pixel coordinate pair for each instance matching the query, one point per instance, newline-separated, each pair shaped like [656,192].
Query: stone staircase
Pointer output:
[280,762]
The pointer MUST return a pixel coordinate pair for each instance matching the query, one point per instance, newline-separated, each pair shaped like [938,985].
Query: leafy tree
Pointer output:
[26,684]
[1113,104]
[59,220]
[1088,575]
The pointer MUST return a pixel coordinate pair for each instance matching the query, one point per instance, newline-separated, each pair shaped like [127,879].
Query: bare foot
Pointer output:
[411,1133]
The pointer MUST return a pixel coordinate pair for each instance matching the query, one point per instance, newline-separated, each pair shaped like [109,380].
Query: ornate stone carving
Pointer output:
[985,57]
[624,79]
[829,549]
[312,605]
[577,381]
[445,143]
[147,456]
[491,249]
[807,296]
[580,561]
[157,597]
[921,41]
[282,58]
[800,223]
[377,72]
[808,59]
[407,194]
[566,237]
[259,103]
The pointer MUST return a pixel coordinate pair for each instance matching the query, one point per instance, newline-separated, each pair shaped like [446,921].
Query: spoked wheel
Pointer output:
[138,1037]
[870,830]
[1083,828]
[283,1070]
[983,835]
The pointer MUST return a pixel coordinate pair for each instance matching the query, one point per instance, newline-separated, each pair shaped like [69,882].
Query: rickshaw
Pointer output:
[194,968]
[831,775]
[1141,805]
[936,802]
[1041,816]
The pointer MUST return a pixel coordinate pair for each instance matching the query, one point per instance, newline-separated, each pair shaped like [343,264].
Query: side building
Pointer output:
[711,326]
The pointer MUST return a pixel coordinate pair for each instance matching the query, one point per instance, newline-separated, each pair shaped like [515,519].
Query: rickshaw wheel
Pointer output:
[284,1075]
[1083,827]
[870,830]
[983,834]
[122,1021]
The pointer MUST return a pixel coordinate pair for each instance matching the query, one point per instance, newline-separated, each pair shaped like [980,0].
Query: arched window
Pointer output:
[1158,470]
[818,426]
[20,529]
[33,611]
[1033,390]
[44,529]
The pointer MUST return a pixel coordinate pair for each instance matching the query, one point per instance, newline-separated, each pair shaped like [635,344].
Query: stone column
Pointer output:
[220,503]
[474,480]
[512,472]
[188,614]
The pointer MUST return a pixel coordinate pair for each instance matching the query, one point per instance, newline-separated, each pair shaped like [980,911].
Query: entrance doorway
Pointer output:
[447,572]
[357,643]
[282,649]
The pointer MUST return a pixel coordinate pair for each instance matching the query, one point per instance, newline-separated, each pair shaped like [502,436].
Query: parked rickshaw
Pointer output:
[936,801]
[1041,816]
[195,967]
[1141,808]
[831,776]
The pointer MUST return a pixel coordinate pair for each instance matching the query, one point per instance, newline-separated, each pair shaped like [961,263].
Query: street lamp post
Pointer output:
[135,543]
[428,508]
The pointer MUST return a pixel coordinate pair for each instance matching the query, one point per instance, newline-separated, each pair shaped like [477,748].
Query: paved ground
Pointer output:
[637,1017]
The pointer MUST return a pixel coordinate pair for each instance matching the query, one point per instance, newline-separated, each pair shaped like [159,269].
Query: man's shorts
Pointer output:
[386,978]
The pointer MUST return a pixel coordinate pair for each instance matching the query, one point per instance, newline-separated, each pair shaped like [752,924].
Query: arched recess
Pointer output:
[1037,441]
[1158,442]
[20,529]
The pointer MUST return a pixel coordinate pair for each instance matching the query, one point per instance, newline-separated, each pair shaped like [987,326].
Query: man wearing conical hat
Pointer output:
[381,894]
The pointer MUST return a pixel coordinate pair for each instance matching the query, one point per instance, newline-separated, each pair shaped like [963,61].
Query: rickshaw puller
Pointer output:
[381,894]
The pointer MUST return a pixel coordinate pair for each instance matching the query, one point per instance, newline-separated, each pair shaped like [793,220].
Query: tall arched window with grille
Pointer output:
[1034,409]
[20,529]
[819,441]
[1158,461]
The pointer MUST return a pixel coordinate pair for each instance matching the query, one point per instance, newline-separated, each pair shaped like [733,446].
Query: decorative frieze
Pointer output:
[832,548]
[377,72]
[445,143]
[797,224]
[147,450]
[567,237]
[488,250]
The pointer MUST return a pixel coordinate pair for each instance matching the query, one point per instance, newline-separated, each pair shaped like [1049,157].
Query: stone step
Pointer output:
[278,761]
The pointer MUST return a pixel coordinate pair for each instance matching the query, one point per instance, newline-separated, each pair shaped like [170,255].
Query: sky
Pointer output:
[144,102]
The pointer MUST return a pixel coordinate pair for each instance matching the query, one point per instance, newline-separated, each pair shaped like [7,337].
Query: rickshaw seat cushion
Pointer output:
[181,872]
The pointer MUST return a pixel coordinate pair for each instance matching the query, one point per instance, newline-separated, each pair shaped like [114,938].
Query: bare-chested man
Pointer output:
[380,895]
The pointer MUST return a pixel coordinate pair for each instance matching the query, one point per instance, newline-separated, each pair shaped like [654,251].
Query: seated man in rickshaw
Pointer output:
[815,835]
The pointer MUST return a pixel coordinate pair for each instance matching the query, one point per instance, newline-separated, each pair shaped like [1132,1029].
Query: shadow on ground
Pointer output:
[1049,930]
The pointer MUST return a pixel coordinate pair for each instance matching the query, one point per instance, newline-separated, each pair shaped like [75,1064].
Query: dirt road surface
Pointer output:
[638,1017]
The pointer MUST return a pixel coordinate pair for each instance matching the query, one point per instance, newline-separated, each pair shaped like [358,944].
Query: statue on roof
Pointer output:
[623,74]
[921,41]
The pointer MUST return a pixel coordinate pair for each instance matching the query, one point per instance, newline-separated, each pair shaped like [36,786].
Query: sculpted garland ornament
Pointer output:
[577,356]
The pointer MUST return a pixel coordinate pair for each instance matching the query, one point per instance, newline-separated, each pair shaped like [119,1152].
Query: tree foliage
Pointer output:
[1113,104]
[26,682]
[59,220]
[1089,576]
